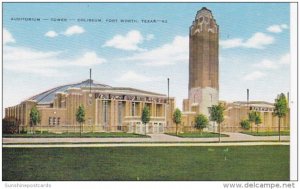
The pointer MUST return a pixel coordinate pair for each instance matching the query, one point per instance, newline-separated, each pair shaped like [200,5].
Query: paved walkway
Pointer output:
[156,138]
[141,144]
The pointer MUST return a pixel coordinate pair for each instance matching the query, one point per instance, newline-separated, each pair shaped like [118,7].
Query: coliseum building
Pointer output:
[110,109]
[107,109]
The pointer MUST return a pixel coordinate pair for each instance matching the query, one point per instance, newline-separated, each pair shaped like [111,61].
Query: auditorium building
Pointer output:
[107,109]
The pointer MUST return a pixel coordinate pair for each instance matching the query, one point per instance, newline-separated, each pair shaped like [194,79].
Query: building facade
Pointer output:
[237,111]
[119,109]
[107,109]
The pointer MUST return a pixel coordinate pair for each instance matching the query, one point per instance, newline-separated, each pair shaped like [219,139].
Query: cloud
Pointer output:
[285,59]
[257,41]
[231,43]
[51,34]
[20,53]
[254,76]
[128,42]
[7,37]
[45,63]
[170,53]
[89,59]
[133,77]
[266,63]
[74,30]
[275,63]
[277,28]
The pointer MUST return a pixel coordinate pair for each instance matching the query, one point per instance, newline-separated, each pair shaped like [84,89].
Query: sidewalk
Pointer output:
[155,138]
[141,144]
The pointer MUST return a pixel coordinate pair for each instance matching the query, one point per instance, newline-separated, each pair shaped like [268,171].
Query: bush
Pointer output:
[23,131]
[9,127]
[245,124]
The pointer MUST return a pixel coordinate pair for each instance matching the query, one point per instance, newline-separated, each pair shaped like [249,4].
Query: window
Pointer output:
[206,19]
[159,112]
[54,121]
[120,114]
[133,109]
[50,121]
[58,120]
[105,112]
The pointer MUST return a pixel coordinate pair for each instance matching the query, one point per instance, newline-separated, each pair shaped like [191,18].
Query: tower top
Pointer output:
[204,12]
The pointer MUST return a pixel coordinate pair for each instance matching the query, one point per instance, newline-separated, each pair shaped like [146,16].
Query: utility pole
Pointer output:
[247,97]
[168,101]
[90,80]
[248,100]
[168,90]
[288,98]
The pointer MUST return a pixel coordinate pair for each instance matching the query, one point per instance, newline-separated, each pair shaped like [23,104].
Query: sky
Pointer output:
[39,55]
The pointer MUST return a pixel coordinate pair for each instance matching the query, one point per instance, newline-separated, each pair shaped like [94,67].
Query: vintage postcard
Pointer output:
[149,92]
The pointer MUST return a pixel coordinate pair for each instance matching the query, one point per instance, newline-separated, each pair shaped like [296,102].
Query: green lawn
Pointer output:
[198,135]
[146,163]
[269,133]
[74,135]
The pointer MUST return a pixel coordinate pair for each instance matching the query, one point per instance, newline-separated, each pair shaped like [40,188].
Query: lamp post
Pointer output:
[248,100]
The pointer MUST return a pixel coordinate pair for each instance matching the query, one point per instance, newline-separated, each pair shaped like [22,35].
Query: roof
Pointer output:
[203,12]
[132,91]
[49,95]
[255,103]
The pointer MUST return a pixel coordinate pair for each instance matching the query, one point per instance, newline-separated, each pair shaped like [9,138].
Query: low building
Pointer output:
[107,109]
[235,112]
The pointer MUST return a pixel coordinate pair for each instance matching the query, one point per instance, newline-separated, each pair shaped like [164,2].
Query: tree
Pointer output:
[251,118]
[281,109]
[35,116]
[257,121]
[80,116]
[201,122]
[217,115]
[177,118]
[254,117]
[245,124]
[145,117]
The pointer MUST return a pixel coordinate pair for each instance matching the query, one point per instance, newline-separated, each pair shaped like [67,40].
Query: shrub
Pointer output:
[245,124]
[9,127]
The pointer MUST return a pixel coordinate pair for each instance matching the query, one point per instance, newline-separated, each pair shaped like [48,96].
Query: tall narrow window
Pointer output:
[58,120]
[133,108]
[50,121]
[120,115]
[105,112]
[54,121]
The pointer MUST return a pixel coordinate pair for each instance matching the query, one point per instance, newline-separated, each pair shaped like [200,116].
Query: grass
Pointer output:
[75,135]
[198,135]
[267,133]
[146,163]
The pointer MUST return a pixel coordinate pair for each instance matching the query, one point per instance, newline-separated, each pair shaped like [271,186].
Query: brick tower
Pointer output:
[203,63]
